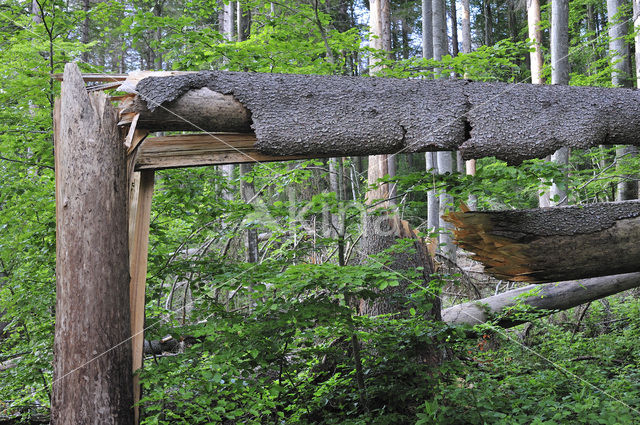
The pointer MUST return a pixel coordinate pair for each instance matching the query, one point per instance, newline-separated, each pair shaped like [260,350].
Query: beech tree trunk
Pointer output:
[92,349]
[546,299]
[427,29]
[553,244]
[627,187]
[560,75]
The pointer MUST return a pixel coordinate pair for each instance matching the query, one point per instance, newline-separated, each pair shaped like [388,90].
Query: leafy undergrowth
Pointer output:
[289,358]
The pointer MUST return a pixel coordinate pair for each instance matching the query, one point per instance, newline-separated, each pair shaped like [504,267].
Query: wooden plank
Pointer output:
[132,130]
[139,247]
[94,77]
[194,150]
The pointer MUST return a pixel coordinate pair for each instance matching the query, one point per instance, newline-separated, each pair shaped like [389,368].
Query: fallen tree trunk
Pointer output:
[547,299]
[344,116]
[553,244]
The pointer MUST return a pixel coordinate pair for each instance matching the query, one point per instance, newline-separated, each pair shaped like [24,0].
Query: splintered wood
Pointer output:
[502,257]
[553,244]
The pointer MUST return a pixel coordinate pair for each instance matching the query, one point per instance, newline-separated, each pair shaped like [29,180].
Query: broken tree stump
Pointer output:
[92,348]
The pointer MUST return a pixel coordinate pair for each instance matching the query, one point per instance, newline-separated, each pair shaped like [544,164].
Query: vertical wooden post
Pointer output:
[92,354]
[139,221]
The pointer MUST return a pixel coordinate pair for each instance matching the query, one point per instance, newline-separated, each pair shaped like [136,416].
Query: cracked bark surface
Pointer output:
[340,116]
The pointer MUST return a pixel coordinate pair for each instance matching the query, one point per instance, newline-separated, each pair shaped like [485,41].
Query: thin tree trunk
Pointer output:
[93,382]
[535,35]
[560,75]
[84,32]
[247,192]
[427,29]
[488,24]
[627,187]
[470,166]
[227,23]
[454,28]
[466,27]
[433,205]
[445,165]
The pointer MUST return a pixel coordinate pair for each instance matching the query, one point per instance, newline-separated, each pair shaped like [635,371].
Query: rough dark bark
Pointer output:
[554,244]
[381,232]
[548,299]
[92,349]
[344,116]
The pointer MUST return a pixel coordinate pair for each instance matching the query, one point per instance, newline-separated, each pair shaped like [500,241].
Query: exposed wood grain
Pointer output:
[553,244]
[139,245]
[92,356]
[132,131]
[192,150]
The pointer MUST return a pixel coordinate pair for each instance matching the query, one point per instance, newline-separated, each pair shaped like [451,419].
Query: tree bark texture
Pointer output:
[454,28]
[560,75]
[618,47]
[381,232]
[439,26]
[621,77]
[466,27]
[544,299]
[347,116]
[92,348]
[553,244]
[427,29]
[535,35]
[636,24]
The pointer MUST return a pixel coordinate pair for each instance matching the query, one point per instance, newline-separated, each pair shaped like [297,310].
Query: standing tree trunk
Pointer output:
[470,165]
[227,21]
[380,17]
[454,29]
[92,349]
[560,75]
[427,29]
[84,31]
[247,192]
[627,188]
[432,166]
[535,35]
[381,231]
[488,24]
[444,158]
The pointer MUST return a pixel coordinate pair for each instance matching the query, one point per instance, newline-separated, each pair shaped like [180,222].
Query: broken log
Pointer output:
[92,350]
[347,116]
[553,244]
[546,299]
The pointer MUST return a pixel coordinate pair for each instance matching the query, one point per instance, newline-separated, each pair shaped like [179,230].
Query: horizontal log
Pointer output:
[344,116]
[548,298]
[553,244]
[196,110]
[193,150]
